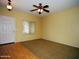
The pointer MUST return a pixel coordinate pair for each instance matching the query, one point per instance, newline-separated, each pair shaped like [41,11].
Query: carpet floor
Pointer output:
[45,49]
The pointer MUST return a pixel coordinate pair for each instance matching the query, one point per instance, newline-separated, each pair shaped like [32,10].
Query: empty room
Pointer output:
[39,29]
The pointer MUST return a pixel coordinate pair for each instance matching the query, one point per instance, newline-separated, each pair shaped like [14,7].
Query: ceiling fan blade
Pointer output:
[35,6]
[33,10]
[46,6]
[46,10]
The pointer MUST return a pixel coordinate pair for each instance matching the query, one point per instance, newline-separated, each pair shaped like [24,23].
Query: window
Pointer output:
[29,27]
[26,27]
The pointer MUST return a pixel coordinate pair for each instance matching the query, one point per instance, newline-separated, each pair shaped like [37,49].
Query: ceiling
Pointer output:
[54,5]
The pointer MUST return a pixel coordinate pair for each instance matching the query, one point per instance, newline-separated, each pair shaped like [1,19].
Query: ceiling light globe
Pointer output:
[9,7]
[40,10]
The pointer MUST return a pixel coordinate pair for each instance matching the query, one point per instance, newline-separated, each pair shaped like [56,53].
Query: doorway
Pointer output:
[7,29]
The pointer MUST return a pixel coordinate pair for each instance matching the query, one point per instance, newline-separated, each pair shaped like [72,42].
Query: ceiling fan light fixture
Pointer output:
[40,10]
[9,7]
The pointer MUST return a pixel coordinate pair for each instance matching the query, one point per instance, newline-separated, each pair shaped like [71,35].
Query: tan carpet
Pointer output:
[50,50]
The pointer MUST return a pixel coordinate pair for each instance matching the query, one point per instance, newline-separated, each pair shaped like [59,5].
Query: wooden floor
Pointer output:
[42,49]
[15,51]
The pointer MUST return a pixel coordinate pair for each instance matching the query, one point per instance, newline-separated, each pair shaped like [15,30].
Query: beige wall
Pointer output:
[20,17]
[62,27]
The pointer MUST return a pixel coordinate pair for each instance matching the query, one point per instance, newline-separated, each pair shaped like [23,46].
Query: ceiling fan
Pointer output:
[9,6]
[40,8]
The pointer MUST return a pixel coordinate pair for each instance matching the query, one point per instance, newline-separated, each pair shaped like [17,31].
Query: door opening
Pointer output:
[7,29]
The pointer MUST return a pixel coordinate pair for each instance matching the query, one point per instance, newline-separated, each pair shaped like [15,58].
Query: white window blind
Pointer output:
[29,27]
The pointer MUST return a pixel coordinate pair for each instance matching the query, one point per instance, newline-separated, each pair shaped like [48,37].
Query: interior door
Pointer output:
[7,29]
